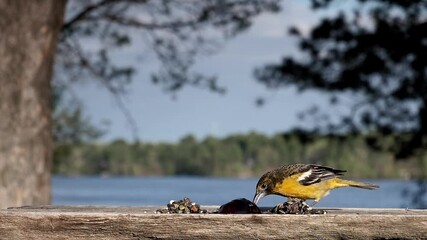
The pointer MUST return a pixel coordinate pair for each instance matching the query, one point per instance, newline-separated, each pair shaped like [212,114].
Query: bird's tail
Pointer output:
[347,183]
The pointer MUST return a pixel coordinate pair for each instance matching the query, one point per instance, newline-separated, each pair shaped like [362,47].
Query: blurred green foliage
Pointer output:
[236,156]
[70,126]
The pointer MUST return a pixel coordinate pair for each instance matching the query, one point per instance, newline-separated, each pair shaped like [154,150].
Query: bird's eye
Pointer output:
[264,186]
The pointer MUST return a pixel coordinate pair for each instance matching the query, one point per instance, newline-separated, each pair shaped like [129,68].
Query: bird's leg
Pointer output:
[308,207]
[315,211]
[314,203]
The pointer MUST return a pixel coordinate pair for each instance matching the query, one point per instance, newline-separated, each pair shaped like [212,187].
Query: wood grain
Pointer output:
[95,222]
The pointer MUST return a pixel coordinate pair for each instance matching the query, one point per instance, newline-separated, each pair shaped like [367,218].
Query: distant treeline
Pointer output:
[235,156]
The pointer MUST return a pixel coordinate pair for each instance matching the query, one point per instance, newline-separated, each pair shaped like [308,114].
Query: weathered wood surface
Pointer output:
[89,222]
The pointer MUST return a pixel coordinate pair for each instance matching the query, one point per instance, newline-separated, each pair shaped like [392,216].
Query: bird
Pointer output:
[304,182]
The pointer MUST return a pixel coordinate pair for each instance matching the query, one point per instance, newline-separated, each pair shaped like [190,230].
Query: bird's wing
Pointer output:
[311,174]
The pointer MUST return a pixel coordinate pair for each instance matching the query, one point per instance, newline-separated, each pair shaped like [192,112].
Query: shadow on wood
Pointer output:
[96,222]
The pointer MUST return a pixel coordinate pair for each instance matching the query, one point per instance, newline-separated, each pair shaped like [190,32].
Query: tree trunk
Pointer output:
[29,31]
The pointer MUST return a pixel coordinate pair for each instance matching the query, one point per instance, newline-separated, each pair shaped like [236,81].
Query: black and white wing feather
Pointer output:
[316,173]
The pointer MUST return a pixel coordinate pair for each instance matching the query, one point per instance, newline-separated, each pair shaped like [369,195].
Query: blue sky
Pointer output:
[161,118]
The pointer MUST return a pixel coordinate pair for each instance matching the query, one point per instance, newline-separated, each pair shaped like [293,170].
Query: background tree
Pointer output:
[173,32]
[248,155]
[27,47]
[374,55]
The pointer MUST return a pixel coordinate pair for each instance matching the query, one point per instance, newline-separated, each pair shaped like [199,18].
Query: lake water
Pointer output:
[135,191]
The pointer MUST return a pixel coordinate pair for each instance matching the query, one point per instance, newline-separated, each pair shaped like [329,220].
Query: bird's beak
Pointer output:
[258,196]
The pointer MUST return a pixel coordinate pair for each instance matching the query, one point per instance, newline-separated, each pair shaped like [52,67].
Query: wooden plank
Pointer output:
[98,222]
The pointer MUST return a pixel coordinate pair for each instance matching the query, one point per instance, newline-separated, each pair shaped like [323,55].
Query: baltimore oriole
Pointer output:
[304,181]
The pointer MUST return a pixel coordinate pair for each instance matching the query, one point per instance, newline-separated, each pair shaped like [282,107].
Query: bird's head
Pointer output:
[264,187]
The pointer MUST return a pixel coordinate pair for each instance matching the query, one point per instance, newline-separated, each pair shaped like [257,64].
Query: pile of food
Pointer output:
[182,206]
[295,206]
[239,206]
